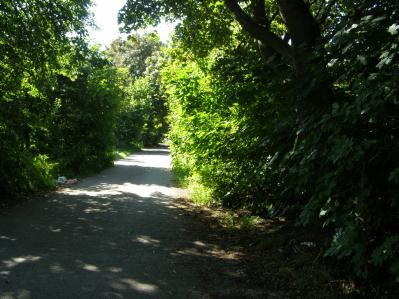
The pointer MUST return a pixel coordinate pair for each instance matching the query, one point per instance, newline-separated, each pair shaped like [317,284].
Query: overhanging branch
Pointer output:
[262,34]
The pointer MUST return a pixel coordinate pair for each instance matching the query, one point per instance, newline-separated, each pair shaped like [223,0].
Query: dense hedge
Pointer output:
[257,135]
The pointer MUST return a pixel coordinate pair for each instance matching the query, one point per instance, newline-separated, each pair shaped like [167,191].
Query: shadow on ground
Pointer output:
[116,235]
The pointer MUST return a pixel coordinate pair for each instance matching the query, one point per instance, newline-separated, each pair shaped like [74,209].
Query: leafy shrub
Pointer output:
[321,149]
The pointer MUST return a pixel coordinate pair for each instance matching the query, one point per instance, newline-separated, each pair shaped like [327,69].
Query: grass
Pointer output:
[199,193]
[123,152]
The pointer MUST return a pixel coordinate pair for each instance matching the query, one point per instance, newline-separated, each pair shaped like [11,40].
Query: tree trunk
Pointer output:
[304,33]
[302,26]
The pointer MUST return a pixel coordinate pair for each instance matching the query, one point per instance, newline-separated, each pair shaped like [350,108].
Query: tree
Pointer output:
[36,41]
[295,30]
[133,52]
[301,27]
[142,117]
[82,124]
[309,125]
[58,97]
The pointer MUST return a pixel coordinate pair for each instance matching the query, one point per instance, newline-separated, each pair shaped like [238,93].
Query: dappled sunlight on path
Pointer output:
[115,235]
[150,165]
[127,188]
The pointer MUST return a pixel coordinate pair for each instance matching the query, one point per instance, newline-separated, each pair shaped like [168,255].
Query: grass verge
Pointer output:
[123,152]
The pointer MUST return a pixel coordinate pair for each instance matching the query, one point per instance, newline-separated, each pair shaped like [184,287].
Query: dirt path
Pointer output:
[115,235]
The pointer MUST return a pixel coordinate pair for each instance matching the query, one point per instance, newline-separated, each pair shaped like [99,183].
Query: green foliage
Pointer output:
[84,119]
[40,173]
[59,100]
[215,126]
[312,134]
[199,193]
[133,52]
[134,114]
[141,119]
[344,160]
[33,45]
[203,24]
[318,145]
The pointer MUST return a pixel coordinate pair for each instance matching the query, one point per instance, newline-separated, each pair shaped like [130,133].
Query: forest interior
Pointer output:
[281,117]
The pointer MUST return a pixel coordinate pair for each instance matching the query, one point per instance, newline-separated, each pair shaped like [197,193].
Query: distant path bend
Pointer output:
[114,235]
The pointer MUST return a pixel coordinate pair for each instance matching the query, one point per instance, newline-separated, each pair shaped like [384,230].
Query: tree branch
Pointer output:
[260,12]
[258,32]
[301,24]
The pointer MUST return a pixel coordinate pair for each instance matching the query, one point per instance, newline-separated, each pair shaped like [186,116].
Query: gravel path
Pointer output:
[115,235]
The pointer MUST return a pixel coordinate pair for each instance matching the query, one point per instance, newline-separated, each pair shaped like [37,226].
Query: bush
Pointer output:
[322,149]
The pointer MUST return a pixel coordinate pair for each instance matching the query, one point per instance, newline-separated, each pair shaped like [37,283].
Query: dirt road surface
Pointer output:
[115,235]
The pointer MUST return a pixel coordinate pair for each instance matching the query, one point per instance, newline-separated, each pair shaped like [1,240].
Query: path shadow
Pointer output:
[104,239]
